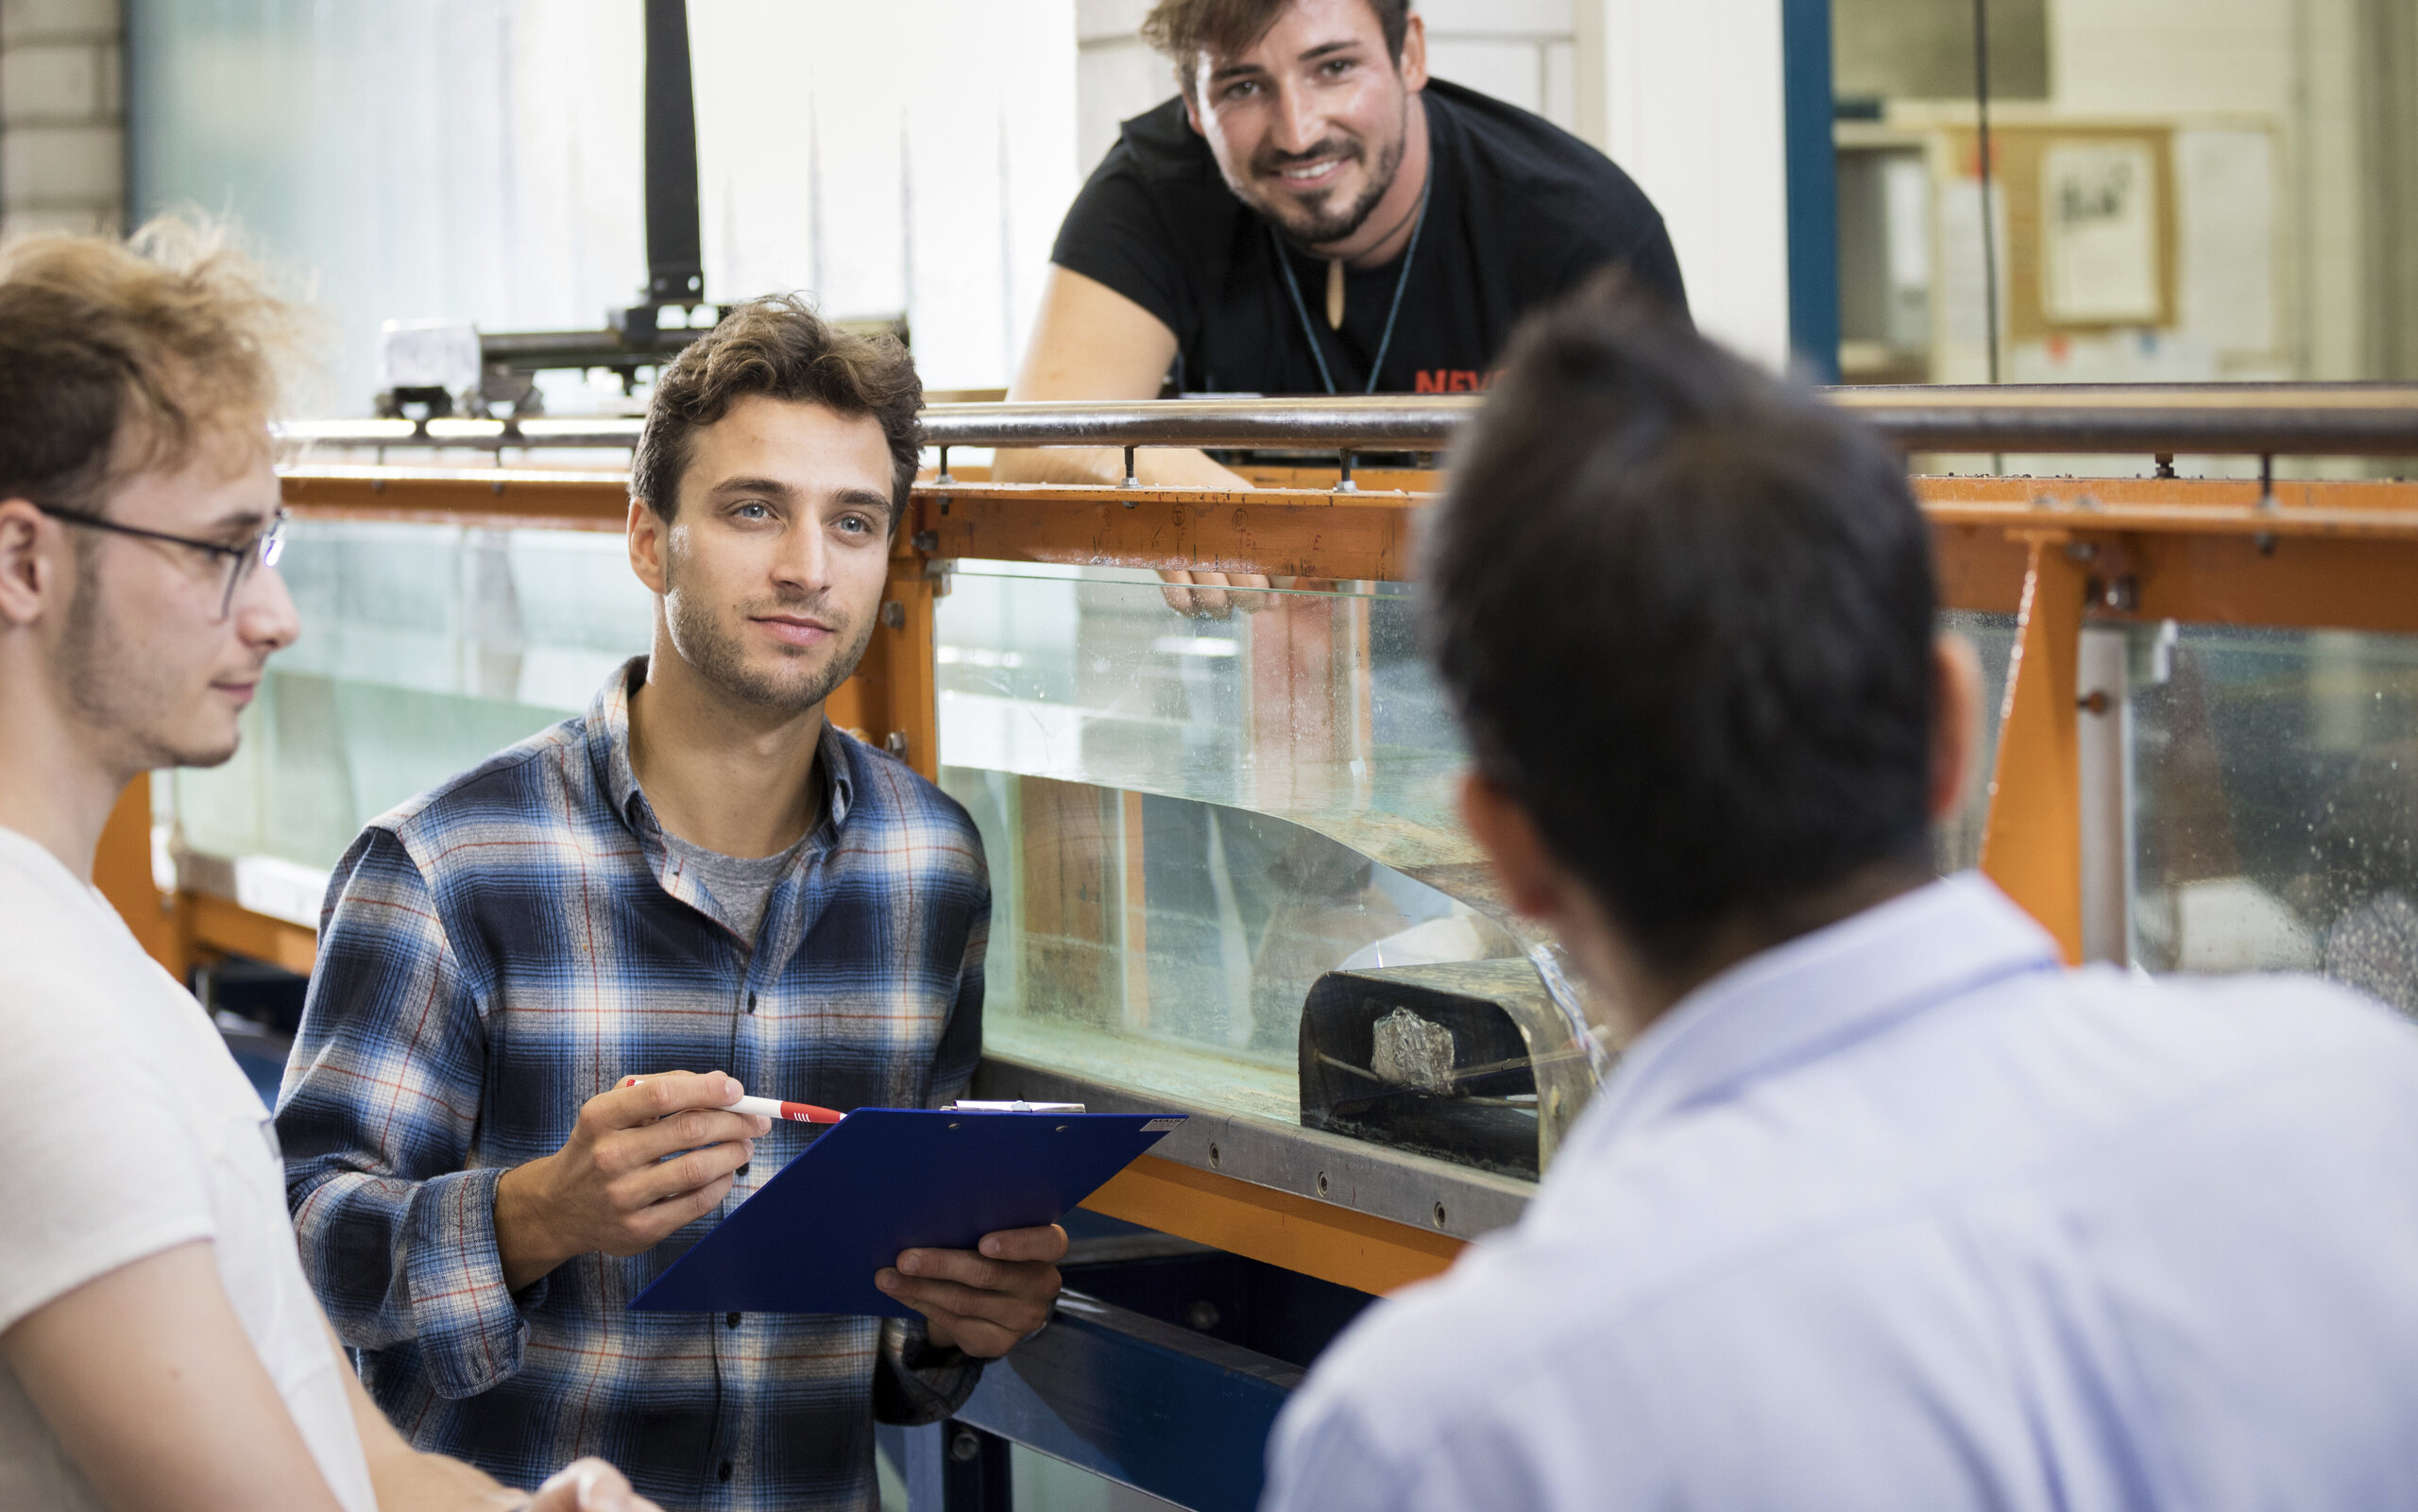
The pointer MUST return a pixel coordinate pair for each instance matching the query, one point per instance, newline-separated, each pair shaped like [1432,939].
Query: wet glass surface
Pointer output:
[2276,781]
[1190,821]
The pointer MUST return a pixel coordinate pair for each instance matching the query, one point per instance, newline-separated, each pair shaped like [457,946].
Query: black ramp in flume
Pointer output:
[890,1178]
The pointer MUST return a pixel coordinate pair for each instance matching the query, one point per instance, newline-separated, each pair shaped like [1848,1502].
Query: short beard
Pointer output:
[1326,230]
[113,689]
[718,658]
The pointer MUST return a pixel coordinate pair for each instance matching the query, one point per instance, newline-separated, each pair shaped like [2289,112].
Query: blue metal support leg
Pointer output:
[952,1467]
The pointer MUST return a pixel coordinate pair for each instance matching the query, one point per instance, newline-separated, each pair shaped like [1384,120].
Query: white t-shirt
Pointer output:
[128,1130]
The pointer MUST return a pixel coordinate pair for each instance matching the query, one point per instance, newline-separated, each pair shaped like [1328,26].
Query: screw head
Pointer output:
[963,1446]
[1322,1183]
[1213,1154]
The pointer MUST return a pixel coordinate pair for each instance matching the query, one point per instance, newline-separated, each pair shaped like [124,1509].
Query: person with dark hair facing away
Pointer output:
[700,882]
[1313,213]
[159,1349]
[1884,1207]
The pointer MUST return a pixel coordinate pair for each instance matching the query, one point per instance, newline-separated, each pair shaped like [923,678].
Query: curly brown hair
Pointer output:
[1184,29]
[778,347]
[119,357]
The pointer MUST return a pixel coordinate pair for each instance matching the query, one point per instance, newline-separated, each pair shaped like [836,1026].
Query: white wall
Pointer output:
[931,185]
[1693,108]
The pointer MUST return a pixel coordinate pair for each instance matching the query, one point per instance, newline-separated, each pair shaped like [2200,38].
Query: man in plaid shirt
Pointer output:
[700,881]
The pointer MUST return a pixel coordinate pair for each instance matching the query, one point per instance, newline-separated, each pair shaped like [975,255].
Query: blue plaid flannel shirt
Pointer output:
[494,953]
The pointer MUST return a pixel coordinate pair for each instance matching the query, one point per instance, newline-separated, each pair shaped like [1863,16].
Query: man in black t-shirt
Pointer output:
[1312,215]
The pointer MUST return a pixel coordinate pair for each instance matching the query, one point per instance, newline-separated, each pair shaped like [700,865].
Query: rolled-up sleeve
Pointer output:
[913,1381]
[377,1119]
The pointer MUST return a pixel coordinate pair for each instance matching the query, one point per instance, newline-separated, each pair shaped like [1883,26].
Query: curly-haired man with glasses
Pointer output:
[159,1344]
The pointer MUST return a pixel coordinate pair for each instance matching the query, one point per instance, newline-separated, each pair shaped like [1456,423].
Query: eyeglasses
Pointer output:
[261,551]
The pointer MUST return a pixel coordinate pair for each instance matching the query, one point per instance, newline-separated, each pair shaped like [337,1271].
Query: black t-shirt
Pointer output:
[1518,211]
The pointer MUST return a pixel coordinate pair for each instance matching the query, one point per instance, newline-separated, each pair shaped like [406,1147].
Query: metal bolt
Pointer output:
[2082,552]
[963,1446]
[1322,1183]
[925,540]
[942,477]
[897,744]
[2265,542]
[1213,1154]
[894,614]
[1201,1314]
[1132,478]
[1440,1215]
[1344,484]
[2123,595]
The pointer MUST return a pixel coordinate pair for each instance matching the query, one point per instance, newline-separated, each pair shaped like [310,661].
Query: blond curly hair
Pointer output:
[117,358]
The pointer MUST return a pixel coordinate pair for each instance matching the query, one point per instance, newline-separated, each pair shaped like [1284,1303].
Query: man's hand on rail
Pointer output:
[1213,595]
[1090,342]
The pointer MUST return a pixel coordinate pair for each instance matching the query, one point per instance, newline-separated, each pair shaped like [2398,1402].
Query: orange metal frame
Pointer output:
[2053,553]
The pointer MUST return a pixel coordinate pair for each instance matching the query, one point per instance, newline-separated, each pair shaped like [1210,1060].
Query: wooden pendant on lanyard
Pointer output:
[1334,294]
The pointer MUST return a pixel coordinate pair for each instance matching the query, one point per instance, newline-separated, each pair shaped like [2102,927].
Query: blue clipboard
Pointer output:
[890,1178]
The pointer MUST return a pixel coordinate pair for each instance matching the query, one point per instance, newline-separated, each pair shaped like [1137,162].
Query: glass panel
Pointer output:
[1189,821]
[2276,775]
[424,650]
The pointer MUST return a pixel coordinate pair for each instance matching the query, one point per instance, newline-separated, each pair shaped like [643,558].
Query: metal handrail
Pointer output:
[2272,419]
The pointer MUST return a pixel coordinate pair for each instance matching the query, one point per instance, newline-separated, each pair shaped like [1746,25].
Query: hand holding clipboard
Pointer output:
[887,1181]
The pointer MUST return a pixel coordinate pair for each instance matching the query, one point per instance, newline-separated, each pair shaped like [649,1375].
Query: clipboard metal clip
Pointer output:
[961,1106]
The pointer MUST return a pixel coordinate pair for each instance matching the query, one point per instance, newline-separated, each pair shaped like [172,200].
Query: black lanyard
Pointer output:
[1402,282]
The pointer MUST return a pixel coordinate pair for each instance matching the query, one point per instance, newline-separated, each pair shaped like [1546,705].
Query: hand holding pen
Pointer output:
[610,1187]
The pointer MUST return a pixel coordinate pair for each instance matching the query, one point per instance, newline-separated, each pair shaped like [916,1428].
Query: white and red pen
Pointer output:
[807,1112]
[772,1108]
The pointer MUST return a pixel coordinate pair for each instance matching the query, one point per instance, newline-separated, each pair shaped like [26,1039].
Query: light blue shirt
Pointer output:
[1903,1214]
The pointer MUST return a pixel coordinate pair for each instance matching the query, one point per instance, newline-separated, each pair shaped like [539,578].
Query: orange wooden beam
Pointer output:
[894,692]
[1299,533]
[121,872]
[454,496]
[1316,1238]
[2031,844]
[223,926]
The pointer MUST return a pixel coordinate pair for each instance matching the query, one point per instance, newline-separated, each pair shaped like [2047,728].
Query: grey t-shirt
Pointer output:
[739,886]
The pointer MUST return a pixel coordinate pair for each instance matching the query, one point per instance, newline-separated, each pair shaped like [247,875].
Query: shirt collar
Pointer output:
[1798,1002]
[608,749]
